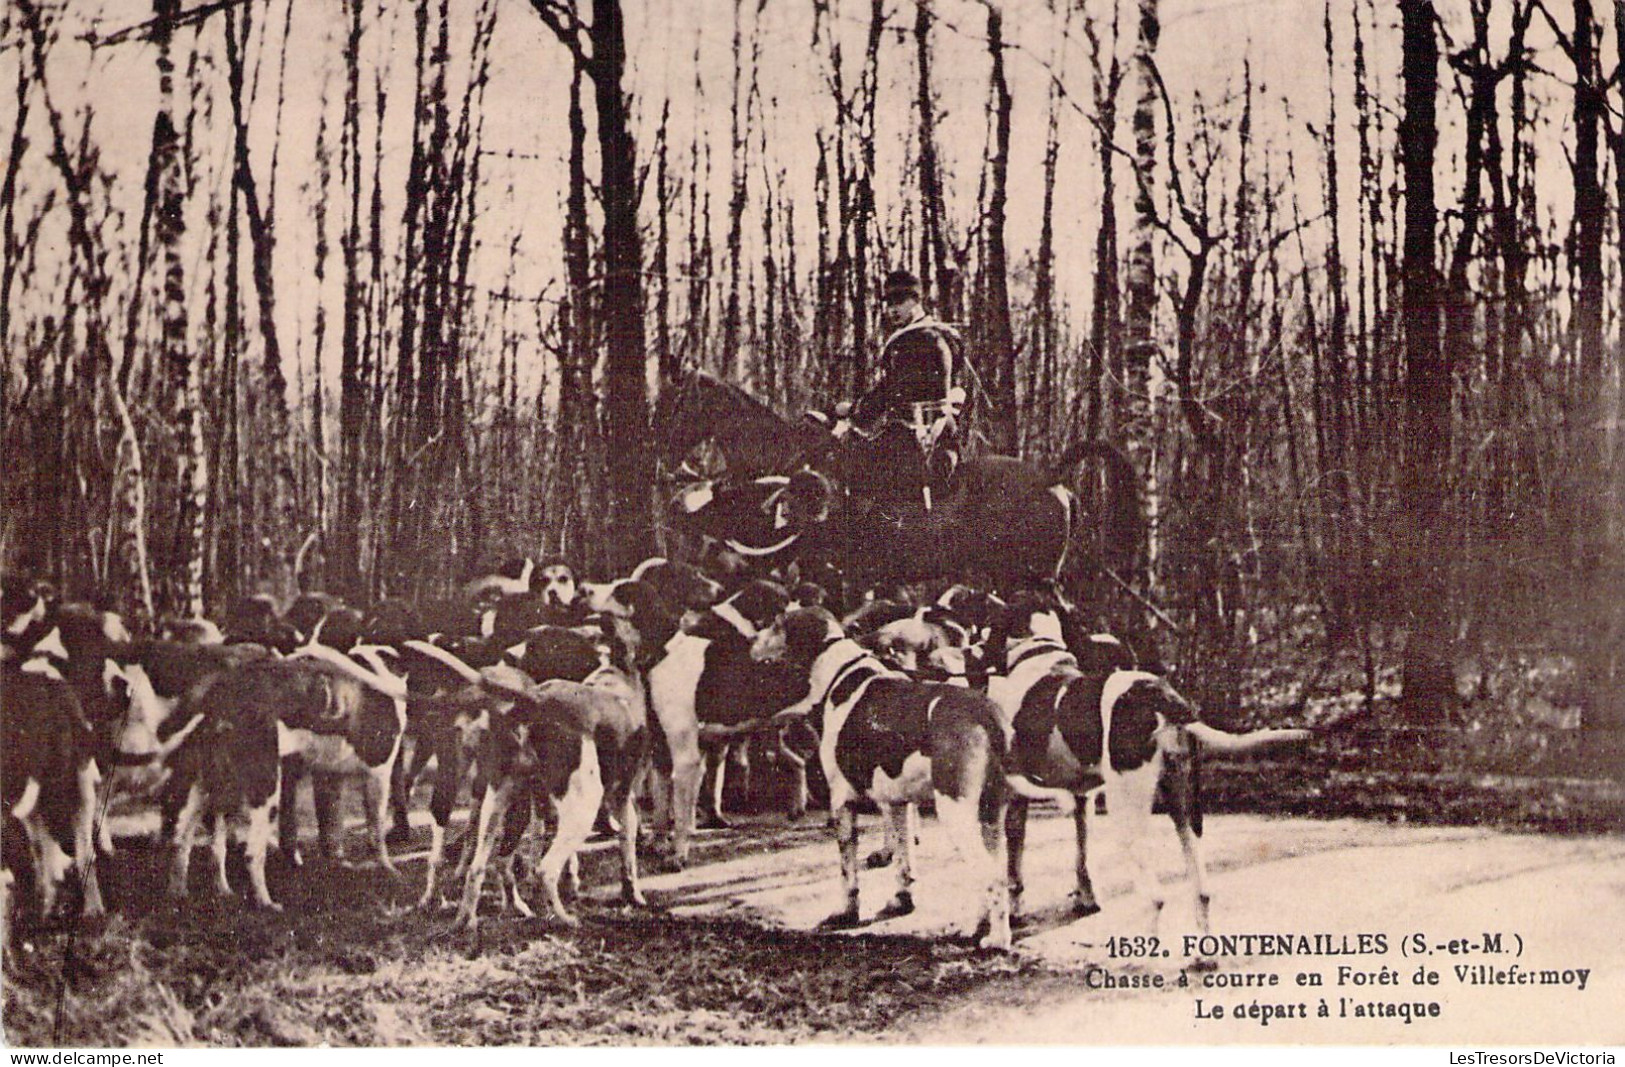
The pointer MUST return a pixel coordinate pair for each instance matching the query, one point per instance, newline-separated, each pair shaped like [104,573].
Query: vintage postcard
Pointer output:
[799,522]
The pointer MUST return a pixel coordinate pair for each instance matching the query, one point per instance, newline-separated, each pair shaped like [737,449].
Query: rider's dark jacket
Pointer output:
[917,365]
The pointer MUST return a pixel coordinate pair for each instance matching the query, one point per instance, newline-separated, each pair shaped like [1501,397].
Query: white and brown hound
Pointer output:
[899,742]
[563,745]
[125,690]
[48,778]
[343,714]
[1083,721]
[704,686]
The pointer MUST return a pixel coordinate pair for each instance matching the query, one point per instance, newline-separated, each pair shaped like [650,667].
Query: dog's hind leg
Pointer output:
[42,850]
[886,854]
[217,846]
[1015,835]
[376,791]
[50,864]
[508,887]
[1084,902]
[900,822]
[577,809]
[685,793]
[327,791]
[84,845]
[714,768]
[492,811]
[451,763]
[798,777]
[180,862]
[508,861]
[437,857]
[959,818]
[1180,792]
[846,839]
[631,890]
[258,842]
[660,807]
[1130,796]
[401,780]
[292,771]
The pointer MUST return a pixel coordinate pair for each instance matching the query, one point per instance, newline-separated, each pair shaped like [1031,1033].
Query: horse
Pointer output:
[786,495]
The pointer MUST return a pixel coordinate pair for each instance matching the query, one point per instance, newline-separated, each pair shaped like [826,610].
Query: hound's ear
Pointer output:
[805,633]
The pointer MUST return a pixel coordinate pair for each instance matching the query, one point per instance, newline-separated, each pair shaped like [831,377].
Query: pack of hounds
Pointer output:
[573,706]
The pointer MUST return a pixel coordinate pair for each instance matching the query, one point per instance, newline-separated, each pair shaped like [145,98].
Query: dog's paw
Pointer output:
[841,920]
[874,861]
[901,904]
[999,942]
[710,820]
[667,863]
[1083,907]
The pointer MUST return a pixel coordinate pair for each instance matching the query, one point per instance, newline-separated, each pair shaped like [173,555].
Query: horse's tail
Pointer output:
[1125,521]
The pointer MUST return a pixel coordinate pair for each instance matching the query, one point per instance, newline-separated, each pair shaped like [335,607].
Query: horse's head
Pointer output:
[698,408]
[680,422]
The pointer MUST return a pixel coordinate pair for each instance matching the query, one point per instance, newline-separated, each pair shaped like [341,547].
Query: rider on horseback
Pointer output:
[906,425]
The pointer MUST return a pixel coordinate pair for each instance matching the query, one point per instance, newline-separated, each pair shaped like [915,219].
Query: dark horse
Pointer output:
[784,493]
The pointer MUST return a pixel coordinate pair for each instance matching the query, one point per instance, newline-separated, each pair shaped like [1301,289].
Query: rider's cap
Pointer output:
[898,285]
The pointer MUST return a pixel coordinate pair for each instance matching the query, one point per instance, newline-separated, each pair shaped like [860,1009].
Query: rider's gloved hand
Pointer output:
[841,428]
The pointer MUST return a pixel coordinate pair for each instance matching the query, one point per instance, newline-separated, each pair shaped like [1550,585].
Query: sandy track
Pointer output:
[1558,904]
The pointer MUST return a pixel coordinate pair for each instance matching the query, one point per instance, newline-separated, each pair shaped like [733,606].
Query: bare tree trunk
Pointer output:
[665,353]
[627,410]
[739,157]
[344,555]
[127,517]
[1105,330]
[933,212]
[1337,341]
[9,250]
[316,508]
[1428,682]
[1137,405]
[272,465]
[576,425]
[998,339]
[1590,211]
[183,368]
[1040,400]
[862,205]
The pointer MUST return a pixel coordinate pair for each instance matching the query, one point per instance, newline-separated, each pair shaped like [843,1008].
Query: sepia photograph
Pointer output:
[648,523]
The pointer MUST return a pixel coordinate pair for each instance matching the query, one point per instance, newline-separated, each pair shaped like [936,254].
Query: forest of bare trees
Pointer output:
[312,295]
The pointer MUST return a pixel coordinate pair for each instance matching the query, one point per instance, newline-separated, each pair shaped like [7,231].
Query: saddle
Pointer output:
[908,462]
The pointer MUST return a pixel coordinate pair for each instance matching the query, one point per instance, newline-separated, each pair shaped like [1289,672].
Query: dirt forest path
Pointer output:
[1557,904]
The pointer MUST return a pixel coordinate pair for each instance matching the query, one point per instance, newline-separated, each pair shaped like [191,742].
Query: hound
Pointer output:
[512,578]
[338,715]
[703,685]
[545,746]
[1083,721]
[48,778]
[112,678]
[898,741]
